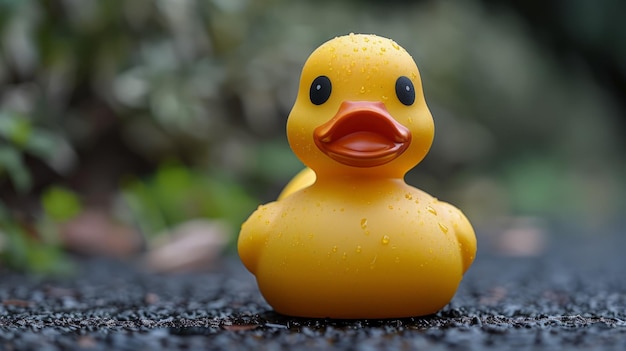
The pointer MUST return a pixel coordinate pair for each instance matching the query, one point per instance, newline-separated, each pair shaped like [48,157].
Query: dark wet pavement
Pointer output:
[571,297]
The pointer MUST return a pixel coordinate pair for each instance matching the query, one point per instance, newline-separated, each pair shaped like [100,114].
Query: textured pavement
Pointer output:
[571,297]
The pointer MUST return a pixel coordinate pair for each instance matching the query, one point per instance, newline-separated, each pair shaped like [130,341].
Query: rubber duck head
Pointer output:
[360,109]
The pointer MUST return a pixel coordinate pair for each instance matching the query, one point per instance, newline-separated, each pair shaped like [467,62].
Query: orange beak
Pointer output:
[362,134]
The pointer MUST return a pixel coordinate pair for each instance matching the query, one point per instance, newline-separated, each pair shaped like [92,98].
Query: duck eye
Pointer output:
[320,90]
[405,91]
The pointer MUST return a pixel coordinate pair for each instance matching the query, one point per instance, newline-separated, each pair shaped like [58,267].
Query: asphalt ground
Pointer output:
[571,297]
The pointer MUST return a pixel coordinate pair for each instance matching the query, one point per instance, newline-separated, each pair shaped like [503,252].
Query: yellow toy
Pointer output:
[352,240]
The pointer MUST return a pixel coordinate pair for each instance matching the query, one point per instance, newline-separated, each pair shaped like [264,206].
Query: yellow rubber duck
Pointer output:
[353,240]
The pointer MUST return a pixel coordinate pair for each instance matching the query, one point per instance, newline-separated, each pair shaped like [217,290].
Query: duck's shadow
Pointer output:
[272,319]
[273,322]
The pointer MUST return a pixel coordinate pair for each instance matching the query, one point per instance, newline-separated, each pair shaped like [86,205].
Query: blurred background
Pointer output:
[149,130]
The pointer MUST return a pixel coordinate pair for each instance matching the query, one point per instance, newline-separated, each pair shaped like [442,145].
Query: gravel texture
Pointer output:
[572,297]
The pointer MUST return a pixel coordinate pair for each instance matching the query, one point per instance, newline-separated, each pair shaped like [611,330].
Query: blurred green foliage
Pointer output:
[176,193]
[23,139]
[34,245]
[178,108]
[22,252]
[60,204]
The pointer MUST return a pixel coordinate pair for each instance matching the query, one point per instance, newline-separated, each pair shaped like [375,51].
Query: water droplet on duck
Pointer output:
[385,240]
[408,196]
[358,249]
[390,207]
[443,228]
[431,210]
[334,249]
[362,90]
[363,223]
[397,260]
[344,256]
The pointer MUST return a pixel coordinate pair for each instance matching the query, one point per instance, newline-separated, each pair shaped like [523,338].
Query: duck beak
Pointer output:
[362,134]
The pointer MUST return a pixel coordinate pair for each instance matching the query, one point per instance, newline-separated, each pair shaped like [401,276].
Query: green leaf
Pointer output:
[42,144]
[12,163]
[15,128]
[60,204]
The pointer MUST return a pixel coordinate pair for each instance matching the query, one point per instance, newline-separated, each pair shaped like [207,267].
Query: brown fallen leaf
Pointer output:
[95,233]
[243,327]
[191,246]
[523,237]
[151,298]
[16,302]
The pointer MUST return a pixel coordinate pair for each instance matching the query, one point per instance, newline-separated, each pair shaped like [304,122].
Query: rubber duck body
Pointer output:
[353,240]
